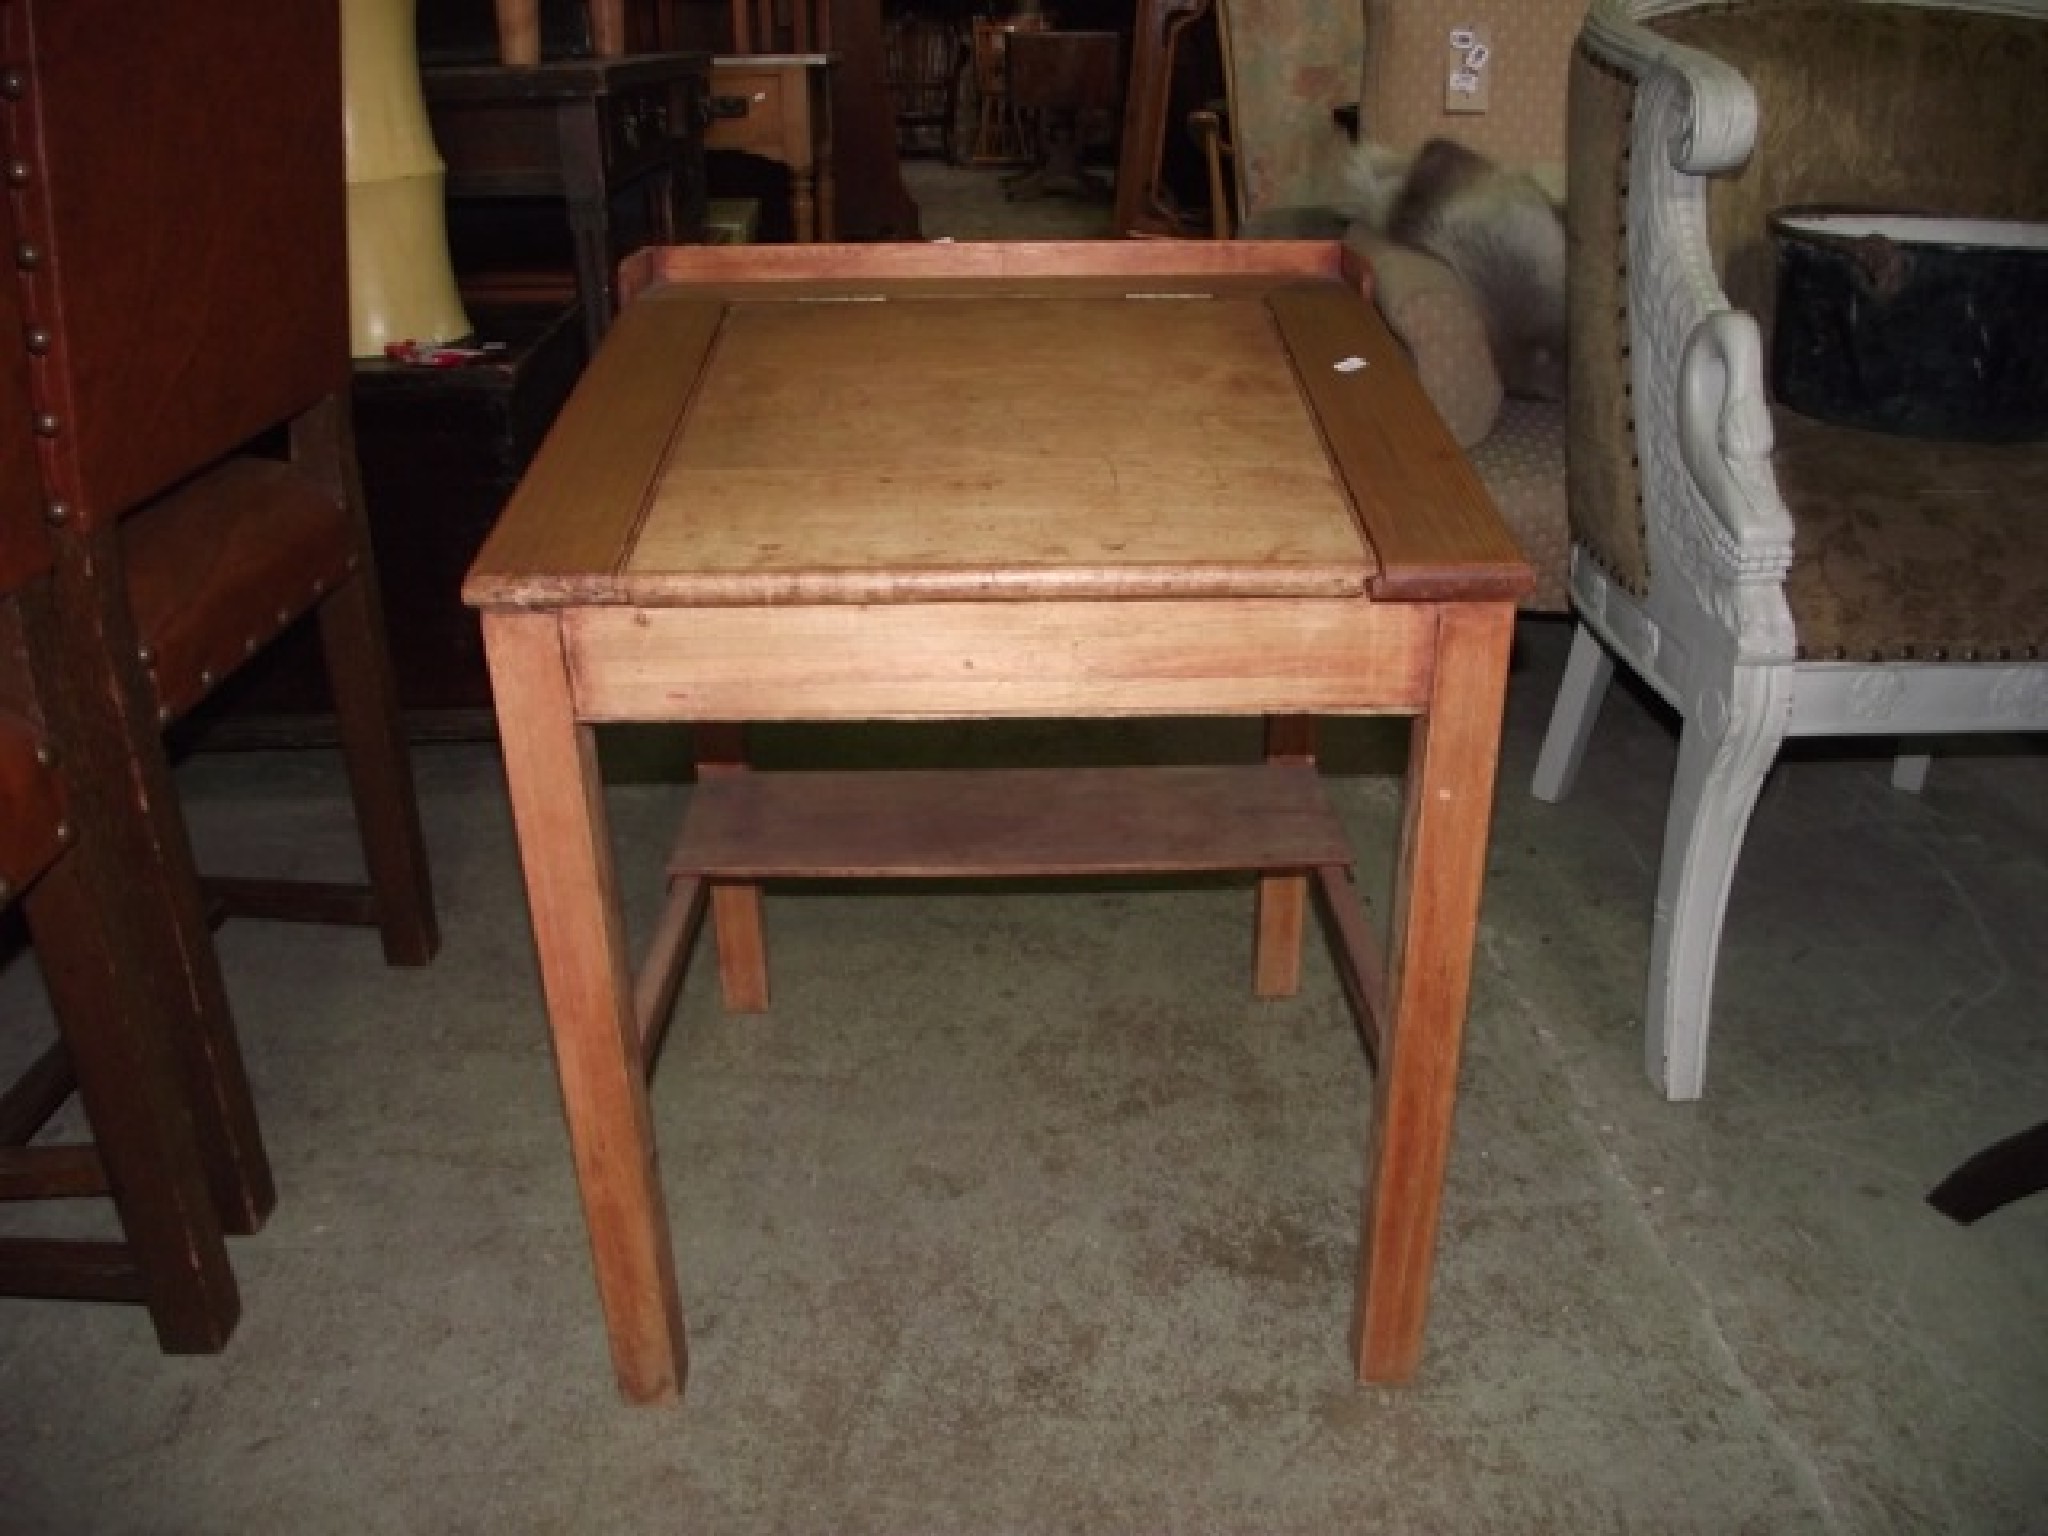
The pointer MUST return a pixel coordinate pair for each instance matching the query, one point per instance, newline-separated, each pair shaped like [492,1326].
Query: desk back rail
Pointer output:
[1175,261]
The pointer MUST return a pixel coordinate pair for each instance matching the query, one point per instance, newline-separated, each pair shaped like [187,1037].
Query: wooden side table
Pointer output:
[587,133]
[1059,82]
[1270,520]
[779,106]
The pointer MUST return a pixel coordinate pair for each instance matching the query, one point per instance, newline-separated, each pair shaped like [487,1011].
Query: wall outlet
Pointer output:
[1468,68]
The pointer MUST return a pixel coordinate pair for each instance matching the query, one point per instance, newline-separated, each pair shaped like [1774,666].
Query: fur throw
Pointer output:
[1496,228]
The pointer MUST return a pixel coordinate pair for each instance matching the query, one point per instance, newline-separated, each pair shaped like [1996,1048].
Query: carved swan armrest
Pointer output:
[1719,536]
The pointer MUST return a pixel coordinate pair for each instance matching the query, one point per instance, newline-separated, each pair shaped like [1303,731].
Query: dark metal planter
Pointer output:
[1917,326]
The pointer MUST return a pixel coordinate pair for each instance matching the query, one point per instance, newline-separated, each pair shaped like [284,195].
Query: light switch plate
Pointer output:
[1468,68]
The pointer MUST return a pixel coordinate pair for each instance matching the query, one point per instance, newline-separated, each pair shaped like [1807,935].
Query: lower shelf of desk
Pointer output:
[1020,822]
[1274,818]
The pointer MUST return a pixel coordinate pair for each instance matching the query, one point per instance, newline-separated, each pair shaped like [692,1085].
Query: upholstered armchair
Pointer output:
[1770,575]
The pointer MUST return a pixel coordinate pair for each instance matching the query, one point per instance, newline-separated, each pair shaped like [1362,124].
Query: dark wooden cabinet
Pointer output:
[441,450]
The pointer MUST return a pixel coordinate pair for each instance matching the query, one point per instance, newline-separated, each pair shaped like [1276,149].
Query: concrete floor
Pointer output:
[1019,1214]
[957,202]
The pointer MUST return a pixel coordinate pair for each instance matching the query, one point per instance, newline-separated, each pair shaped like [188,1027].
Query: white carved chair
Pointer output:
[1768,575]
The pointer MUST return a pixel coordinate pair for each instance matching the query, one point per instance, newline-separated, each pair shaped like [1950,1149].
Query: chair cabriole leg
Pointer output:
[1725,749]
[1586,675]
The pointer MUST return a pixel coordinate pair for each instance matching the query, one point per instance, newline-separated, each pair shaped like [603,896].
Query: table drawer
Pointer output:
[763,125]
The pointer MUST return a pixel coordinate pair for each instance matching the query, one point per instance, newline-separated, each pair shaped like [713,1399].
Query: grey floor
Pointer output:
[1018,1214]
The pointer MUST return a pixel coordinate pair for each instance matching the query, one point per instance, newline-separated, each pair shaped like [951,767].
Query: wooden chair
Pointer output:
[1176,74]
[998,140]
[186,320]
[113,1044]
[1206,126]
[922,63]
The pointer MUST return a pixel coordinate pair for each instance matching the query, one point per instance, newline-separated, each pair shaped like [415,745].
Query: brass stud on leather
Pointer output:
[28,255]
[44,756]
[284,617]
[206,677]
[17,173]
[65,832]
[47,424]
[38,340]
[57,513]
[146,655]
[13,84]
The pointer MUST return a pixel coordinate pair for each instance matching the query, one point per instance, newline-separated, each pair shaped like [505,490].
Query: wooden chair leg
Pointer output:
[366,706]
[174,1259]
[122,784]
[380,772]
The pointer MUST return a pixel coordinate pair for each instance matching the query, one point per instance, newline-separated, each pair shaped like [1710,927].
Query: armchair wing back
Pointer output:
[1969,84]
[1768,574]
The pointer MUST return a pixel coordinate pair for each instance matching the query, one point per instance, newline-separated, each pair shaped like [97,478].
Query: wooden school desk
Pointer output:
[982,481]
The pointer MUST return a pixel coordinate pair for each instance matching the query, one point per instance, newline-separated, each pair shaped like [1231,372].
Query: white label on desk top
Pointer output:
[1348,364]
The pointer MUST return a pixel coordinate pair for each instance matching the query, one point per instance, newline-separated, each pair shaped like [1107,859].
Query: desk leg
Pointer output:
[1453,753]
[736,920]
[572,888]
[1283,899]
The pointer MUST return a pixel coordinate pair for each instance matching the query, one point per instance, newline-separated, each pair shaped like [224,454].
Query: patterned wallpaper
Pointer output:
[1290,61]
[1405,66]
